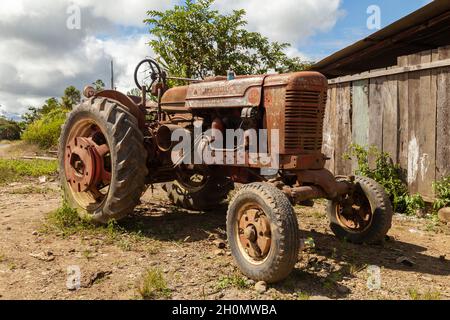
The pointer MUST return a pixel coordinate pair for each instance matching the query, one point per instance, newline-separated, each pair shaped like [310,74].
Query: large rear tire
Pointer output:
[102,139]
[371,218]
[209,191]
[263,232]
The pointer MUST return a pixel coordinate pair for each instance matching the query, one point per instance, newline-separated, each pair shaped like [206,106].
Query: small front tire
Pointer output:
[263,232]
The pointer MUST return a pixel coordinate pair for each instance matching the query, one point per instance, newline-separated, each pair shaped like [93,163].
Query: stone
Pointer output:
[342,289]
[219,252]
[261,287]
[444,215]
[220,244]
[405,261]
[35,233]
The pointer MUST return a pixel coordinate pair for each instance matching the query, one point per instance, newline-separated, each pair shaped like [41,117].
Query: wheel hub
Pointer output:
[255,234]
[84,164]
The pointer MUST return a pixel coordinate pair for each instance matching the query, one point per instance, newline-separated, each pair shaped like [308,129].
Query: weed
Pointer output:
[234,280]
[388,174]
[414,294]
[154,286]
[303,296]
[442,189]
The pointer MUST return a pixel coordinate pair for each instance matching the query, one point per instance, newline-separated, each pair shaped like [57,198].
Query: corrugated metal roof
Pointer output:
[424,29]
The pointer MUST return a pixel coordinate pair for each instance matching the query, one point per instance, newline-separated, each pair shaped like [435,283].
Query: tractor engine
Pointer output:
[290,107]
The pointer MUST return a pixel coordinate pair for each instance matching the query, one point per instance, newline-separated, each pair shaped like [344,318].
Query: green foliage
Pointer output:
[388,174]
[72,97]
[154,286]
[234,280]
[9,130]
[99,85]
[442,189]
[195,41]
[13,170]
[46,130]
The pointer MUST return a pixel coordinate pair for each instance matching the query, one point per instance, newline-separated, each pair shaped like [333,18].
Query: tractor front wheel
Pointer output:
[102,160]
[363,217]
[263,232]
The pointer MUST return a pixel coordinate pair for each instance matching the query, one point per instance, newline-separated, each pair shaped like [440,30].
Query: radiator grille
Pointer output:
[304,113]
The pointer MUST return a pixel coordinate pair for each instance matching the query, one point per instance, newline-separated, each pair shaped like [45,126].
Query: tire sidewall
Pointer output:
[379,215]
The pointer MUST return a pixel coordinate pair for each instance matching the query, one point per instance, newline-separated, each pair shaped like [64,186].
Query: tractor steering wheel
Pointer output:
[147,73]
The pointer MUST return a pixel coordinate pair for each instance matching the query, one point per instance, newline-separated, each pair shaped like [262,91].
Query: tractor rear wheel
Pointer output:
[102,160]
[195,190]
[367,219]
[263,232]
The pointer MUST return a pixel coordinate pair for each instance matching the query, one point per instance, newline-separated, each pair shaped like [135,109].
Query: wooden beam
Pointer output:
[393,71]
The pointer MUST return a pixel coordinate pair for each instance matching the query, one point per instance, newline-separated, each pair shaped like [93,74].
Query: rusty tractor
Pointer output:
[114,146]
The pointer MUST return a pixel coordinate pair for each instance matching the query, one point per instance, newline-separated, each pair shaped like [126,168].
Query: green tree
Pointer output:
[9,130]
[195,41]
[99,85]
[72,96]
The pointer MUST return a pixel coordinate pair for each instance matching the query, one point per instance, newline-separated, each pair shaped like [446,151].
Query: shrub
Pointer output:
[442,189]
[9,130]
[46,130]
[389,175]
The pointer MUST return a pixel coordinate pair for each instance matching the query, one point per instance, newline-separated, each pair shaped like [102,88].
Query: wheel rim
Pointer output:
[253,233]
[193,181]
[360,217]
[87,164]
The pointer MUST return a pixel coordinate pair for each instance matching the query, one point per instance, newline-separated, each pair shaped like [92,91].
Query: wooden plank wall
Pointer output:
[406,115]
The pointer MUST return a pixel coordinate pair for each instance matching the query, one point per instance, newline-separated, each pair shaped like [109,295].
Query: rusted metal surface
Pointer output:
[85,164]
[241,92]
[254,232]
[295,105]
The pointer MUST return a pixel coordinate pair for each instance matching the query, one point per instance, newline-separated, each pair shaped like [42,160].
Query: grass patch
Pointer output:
[31,190]
[414,294]
[65,221]
[303,296]
[235,280]
[14,170]
[154,286]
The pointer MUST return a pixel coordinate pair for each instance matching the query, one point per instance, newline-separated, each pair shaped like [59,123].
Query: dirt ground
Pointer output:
[34,261]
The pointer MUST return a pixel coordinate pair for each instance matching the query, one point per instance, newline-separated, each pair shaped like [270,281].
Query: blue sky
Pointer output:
[41,58]
[353,25]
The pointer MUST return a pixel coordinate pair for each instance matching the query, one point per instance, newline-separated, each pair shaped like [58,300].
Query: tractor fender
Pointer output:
[126,102]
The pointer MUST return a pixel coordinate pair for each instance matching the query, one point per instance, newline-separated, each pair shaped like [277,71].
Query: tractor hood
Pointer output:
[244,91]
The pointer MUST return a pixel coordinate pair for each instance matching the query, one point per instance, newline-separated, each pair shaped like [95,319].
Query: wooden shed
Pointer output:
[392,90]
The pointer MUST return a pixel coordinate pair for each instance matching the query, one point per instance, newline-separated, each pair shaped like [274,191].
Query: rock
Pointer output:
[8,228]
[42,179]
[444,214]
[429,279]
[220,244]
[72,250]
[251,282]
[342,289]
[95,277]
[261,287]
[219,252]
[35,233]
[43,256]
[405,261]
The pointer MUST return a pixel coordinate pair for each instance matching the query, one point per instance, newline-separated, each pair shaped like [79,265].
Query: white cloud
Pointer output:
[124,12]
[292,21]
[39,56]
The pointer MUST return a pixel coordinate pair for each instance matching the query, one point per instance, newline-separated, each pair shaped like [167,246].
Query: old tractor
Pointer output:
[114,146]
